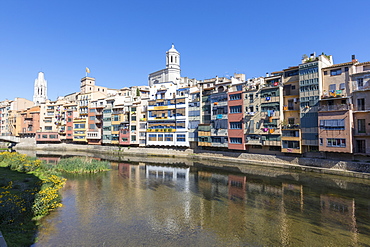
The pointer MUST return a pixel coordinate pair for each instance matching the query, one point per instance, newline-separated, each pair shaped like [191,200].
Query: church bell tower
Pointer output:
[40,89]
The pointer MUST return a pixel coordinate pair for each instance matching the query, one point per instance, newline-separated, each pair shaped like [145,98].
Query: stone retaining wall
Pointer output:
[346,168]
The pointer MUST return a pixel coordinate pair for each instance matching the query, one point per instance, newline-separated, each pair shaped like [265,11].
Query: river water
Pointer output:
[176,202]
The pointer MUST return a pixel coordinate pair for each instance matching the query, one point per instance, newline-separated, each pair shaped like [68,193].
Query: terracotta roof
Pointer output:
[340,64]
[364,63]
[290,68]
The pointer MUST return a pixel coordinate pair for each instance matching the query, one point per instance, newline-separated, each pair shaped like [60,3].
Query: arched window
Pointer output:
[176,59]
[171,59]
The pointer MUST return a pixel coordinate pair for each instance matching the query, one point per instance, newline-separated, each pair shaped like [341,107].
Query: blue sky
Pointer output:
[123,41]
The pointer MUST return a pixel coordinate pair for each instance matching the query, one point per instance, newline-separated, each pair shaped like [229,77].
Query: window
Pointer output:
[361,104]
[291,73]
[235,125]
[325,72]
[181,138]
[332,87]
[360,146]
[360,82]
[235,96]
[152,137]
[335,142]
[332,124]
[235,140]
[92,126]
[236,109]
[293,87]
[79,126]
[291,144]
[69,128]
[321,141]
[335,72]
[92,118]
[345,69]
[48,127]
[342,86]
[133,127]
[133,138]
[160,137]
[361,127]
[124,139]
[168,137]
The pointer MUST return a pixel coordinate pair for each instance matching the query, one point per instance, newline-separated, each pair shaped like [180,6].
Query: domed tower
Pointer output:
[172,58]
[173,65]
[40,89]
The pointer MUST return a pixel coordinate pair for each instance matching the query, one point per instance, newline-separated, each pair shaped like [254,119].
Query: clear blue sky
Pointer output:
[123,41]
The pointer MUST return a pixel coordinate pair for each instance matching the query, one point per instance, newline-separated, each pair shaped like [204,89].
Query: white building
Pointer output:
[172,71]
[40,89]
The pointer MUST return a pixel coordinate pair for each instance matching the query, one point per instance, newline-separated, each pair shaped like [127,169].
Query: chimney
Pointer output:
[354,58]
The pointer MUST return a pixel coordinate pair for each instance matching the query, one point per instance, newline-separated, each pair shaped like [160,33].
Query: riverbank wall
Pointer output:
[359,169]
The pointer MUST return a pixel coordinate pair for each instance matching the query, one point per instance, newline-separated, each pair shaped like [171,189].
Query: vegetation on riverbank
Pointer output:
[81,165]
[27,192]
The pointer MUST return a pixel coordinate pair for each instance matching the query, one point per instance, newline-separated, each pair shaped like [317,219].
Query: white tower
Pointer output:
[40,89]
[173,65]
[172,58]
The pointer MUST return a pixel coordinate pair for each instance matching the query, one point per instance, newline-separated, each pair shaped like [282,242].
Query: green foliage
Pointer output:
[81,165]
[27,191]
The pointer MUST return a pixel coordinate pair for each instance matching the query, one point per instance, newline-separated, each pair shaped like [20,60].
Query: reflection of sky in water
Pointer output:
[165,206]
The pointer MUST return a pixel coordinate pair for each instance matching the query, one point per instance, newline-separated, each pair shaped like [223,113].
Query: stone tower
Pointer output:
[40,89]
[173,65]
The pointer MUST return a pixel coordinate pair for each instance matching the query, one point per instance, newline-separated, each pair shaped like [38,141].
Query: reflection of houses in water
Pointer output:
[339,211]
[293,196]
[167,173]
[124,169]
[127,170]
[237,186]
[264,195]
[212,185]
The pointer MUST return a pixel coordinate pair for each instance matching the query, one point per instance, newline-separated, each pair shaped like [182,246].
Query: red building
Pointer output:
[235,118]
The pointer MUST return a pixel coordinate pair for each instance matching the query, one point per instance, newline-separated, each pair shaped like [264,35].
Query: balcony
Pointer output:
[341,107]
[290,108]
[273,114]
[290,126]
[93,135]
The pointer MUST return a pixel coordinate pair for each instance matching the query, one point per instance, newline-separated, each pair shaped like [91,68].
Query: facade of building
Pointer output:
[360,81]
[291,136]
[335,110]
[310,91]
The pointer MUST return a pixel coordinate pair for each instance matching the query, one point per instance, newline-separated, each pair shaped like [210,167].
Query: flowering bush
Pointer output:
[45,199]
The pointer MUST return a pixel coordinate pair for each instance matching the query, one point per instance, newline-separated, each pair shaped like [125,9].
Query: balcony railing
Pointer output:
[341,107]
[290,126]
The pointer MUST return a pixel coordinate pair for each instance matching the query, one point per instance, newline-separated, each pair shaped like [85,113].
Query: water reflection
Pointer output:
[138,204]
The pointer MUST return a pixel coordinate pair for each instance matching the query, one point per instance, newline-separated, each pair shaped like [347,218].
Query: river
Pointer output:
[174,202]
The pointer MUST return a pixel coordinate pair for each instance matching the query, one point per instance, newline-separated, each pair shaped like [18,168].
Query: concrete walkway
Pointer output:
[2,241]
